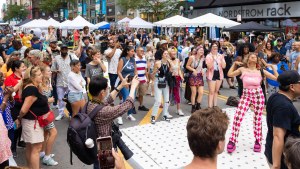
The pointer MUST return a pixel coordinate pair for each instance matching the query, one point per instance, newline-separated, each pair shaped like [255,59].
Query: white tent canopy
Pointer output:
[101,24]
[64,24]
[137,22]
[212,20]
[37,23]
[53,22]
[79,22]
[174,21]
[124,20]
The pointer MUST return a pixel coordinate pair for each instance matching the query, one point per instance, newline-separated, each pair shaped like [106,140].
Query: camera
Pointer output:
[118,142]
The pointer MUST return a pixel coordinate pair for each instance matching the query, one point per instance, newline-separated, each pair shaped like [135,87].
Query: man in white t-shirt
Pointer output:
[113,54]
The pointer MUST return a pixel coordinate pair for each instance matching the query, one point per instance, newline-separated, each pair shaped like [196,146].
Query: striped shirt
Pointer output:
[141,67]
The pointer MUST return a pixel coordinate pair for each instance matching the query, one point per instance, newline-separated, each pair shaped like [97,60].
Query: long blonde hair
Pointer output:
[46,81]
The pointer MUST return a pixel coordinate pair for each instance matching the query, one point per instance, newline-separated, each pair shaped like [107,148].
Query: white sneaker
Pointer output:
[131,118]
[59,117]
[180,113]
[120,120]
[49,161]
[169,116]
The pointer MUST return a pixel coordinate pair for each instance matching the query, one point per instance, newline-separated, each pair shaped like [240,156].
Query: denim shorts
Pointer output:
[75,96]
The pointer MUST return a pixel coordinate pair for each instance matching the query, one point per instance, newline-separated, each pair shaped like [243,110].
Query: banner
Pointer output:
[66,14]
[84,10]
[97,7]
[79,12]
[104,7]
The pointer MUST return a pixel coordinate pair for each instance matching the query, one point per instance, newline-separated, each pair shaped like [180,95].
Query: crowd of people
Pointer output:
[41,74]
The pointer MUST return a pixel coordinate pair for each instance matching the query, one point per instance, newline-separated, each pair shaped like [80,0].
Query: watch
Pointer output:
[117,90]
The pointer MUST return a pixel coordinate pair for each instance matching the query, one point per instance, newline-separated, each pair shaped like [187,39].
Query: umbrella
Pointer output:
[249,27]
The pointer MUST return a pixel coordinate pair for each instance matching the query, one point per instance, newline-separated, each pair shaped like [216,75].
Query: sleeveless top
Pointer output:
[163,70]
[175,69]
[251,80]
[198,65]
[129,67]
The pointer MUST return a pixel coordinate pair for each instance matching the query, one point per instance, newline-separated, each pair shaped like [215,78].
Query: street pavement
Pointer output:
[144,151]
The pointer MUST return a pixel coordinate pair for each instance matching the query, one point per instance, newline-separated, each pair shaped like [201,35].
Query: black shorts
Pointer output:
[216,75]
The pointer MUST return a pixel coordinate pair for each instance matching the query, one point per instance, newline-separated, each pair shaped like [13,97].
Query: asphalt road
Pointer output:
[61,148]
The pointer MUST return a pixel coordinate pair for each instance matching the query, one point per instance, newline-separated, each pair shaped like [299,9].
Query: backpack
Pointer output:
[80,129]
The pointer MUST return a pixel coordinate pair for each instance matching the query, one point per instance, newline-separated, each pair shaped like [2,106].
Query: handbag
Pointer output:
[162,83]
[43,120]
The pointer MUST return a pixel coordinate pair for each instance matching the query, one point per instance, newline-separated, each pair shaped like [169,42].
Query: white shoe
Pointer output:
[49,162]
[131,118]
[120,120]
[169,116]
[180,113]
[59,117]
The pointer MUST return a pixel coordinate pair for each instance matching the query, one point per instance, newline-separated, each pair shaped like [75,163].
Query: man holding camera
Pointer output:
[98,88]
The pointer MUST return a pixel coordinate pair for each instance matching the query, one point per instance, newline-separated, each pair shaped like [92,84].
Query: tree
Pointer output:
[17,12]
[49,6]
[157,7]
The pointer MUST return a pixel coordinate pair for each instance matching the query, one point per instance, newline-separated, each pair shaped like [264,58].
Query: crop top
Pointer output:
[251,80]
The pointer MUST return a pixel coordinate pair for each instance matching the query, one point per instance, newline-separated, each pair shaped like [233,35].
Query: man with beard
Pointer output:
[61,66]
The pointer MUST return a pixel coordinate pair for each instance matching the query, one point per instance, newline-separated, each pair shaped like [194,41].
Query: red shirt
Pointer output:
[12,80]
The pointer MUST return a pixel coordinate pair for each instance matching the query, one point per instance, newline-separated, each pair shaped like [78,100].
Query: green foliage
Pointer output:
[49,6]
[17,12]
[157,7]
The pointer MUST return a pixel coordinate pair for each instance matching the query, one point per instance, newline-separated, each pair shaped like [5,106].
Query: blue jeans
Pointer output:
[125,93]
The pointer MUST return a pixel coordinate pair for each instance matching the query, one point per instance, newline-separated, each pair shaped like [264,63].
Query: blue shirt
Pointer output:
[8,120]
[293,59]
[10,50]
[282,50]
[281,67]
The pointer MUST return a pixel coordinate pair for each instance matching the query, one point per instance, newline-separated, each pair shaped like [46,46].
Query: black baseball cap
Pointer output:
[63,47]
[288,77]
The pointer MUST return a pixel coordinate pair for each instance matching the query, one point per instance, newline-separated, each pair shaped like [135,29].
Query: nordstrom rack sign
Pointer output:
[274,10]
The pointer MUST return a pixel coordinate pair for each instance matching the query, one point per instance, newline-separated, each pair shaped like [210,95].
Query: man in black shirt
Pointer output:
[282,117]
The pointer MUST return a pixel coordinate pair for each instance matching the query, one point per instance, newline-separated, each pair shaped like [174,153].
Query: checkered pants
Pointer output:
[257,99]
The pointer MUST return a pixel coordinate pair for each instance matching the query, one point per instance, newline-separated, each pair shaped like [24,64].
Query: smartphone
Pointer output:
[104,146]
[129,79]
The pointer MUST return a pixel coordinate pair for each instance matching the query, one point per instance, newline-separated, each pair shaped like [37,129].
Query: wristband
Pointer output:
[117,90]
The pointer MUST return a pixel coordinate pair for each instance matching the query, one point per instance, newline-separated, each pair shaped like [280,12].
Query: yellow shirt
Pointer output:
[26,41]
[5,72]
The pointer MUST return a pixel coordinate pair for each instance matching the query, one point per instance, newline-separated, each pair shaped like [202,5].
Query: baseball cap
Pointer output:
[163,42]
[279,40]
[64,47]
[288,77]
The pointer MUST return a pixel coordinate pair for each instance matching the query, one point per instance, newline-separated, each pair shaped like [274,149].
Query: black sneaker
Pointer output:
[22,144]
[165,118]
[152,119]
[143,108]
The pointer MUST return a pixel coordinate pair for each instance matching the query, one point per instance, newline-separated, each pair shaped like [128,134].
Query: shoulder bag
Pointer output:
[43,120]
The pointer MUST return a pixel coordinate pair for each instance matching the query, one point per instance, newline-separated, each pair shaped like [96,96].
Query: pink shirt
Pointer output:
[4,142]
[210,71]
[251,80]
